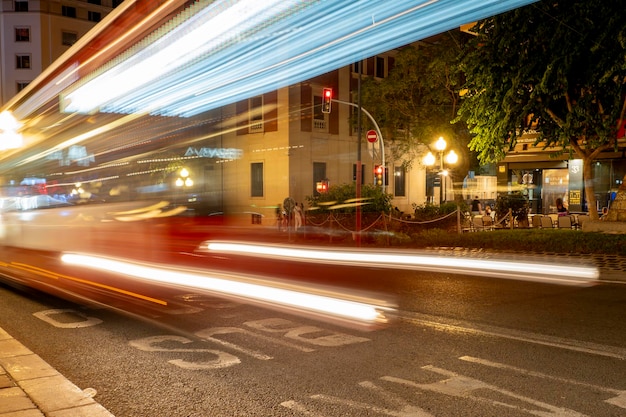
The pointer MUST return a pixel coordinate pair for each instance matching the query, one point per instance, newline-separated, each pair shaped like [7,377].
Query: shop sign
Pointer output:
[223,153]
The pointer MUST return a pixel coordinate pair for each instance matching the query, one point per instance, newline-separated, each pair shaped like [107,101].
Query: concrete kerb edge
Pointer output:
[50,391]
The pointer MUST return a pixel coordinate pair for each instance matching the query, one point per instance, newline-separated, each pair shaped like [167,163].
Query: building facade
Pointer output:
[35,33]
[260,151]
[544,175]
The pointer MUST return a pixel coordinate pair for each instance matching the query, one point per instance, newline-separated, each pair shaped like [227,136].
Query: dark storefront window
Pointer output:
[256,179]
[399,181]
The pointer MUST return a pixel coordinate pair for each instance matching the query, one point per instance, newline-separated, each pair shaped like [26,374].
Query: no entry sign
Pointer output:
[372,136]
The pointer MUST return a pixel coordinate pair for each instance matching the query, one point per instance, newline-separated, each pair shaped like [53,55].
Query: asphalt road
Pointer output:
[459,346]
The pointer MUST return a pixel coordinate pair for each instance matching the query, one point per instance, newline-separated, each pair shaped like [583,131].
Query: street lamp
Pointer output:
[451,158]
[183,179]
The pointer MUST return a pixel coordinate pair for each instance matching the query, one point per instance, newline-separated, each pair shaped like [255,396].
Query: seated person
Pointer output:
[477,208]
[488,216]
[560,208]
[488,211]
[605,213]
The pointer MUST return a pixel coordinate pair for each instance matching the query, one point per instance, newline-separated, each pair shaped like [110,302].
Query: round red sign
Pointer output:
[372,136]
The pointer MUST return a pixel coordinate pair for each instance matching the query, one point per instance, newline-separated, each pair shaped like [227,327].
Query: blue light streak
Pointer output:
[287,42]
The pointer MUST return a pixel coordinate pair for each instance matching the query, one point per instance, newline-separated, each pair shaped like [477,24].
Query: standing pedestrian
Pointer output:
[279,217]
[297,214]
[477,207]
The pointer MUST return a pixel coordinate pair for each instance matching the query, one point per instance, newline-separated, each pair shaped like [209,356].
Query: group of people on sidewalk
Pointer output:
[477,208]
[284,217]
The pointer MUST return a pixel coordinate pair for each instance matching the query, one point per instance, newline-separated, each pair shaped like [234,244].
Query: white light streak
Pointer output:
[174,50]
[545,272]
[9,137]
[82,137]
[232,50]
[205,280]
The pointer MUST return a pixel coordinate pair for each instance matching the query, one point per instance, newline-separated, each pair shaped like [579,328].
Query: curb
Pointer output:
[30,387]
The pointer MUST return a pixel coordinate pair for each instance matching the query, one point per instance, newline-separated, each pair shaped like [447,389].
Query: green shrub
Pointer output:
[340,198]
[435,216]
[434,237]
[526,241]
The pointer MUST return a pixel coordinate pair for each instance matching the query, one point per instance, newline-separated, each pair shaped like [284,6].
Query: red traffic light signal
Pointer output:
[327,96]
[378,175]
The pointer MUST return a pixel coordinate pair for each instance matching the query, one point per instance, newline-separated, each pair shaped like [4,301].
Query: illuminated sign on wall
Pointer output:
[223,153]
[75,154]
[576,185]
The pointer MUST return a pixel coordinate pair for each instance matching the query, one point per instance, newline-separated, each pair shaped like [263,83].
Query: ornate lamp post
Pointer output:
[184,180]
[451,158]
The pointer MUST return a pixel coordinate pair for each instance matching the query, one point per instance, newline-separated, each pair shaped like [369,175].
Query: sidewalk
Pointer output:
[29,387]
[611,268]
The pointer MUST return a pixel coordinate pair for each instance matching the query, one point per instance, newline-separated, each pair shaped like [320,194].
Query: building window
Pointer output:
[256,179]
[22,34]
[362,173]
[319,118]
[94,16]
[68,11]
[380,67]
[399,181]
[69,38]
[22,85]
[21,5]
[356,67]
[97,2]
[256,114]
[22,62]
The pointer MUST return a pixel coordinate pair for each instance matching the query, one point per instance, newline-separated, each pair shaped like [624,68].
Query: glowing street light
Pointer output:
[184,179]
[451,158]
[9,136]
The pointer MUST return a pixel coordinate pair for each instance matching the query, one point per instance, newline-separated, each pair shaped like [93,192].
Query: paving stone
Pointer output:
[6,382]
[13,400]
[27,367]
[55,393]
[11,347]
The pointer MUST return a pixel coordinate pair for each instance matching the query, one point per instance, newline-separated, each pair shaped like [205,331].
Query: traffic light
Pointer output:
[378,175]
[327,95]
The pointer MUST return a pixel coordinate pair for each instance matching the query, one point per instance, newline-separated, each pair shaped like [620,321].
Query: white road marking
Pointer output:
[518,335]
[184,310]
[296,331]
[406,408]
[85,321]
[409,411]
[296,406]
[461,386]
[208,334]
[150,344]
[332,340]
[620,395]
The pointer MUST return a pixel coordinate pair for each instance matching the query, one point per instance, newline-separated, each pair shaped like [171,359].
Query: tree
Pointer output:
[418,100]
[557,67]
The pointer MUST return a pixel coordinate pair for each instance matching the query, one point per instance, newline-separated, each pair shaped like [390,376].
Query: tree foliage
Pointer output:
[555,67]
[419,98]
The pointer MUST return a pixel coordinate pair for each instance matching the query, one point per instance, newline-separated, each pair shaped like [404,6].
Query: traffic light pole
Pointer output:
[380,136]
[359,167]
